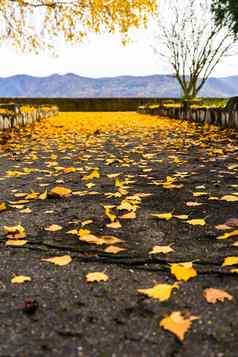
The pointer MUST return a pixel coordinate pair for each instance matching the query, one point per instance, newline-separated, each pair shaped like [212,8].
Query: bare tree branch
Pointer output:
[191,42]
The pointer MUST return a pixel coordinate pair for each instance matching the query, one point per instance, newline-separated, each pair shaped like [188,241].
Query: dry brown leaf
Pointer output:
[214,295]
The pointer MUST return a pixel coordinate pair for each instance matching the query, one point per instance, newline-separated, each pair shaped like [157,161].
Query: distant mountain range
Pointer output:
[71,85]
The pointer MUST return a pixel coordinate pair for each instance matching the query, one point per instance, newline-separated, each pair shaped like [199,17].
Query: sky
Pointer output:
[98,56]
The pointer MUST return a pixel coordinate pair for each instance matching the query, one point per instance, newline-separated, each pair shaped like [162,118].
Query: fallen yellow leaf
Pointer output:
[20,279]
[94,174]
[3,206]
[16,242]
[161,292]
[229,198]
[114,225]
[15,232]
[183,271]
[53,228]
[63,260]
[59,191]
[131,215]
[230,261]
[214,295]
[164,249]
[96,277]
[114,250]
[197,222]
[166,216]
[228,235]
[177,324]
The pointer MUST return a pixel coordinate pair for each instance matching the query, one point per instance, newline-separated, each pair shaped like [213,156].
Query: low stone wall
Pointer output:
[14,116]
[94,104]
[219,117]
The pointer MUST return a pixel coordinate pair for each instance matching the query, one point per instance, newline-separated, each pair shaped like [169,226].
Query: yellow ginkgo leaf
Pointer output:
[166,216]
[214,295]
[20,279]
[96,277]
[112,249]
[26,210]
[114,225]
[199,194]
[87,222]
[3,206]
[43,196]
[94,174]
[161,292]
[111,240]
[177,324]
[15,232]
[59,191]
[16,242]
[193,204]
[197,222]
[83,232]
[182,216]
[63,260]
[131,215]
[68,170]
[164,249]
[92,239]
[183,271]
[230,198]
[228,235]
[230,261]
[127,206]
[112,217]
[53,228]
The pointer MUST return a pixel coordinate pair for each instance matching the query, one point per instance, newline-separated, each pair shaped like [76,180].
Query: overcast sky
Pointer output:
[99,56]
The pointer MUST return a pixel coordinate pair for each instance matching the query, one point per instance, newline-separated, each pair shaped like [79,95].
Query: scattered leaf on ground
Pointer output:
[183,271]
[177,324]
[63,260]
[161,292]
[96,277]
[214,295]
